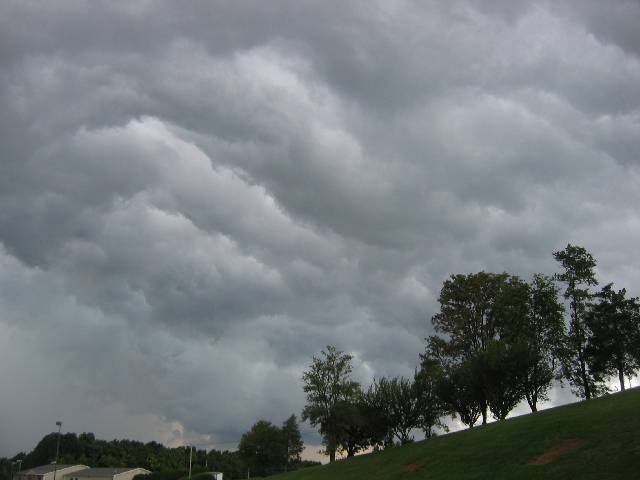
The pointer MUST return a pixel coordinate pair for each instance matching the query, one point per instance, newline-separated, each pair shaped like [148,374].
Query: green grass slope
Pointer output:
[607,428]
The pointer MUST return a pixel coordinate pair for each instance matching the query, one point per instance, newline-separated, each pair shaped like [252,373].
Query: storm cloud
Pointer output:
[196,198]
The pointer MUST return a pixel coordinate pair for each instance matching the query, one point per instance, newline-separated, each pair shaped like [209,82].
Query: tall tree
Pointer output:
[402,404]
[262,448]
[426,389]
[376,421]
[615,325]
[543,333]
[500,370]
[329,387]
[354,433]
[475,310]
[578,275]
[459,390]
[292,441]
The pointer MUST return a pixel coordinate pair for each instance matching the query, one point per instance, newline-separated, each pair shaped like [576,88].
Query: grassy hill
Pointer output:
[595,439]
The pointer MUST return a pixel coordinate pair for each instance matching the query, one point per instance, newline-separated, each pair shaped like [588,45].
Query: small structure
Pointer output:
[45,472]
[211,475]
[106,474]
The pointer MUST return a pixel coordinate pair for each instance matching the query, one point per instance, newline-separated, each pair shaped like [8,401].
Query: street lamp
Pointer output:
[55,464]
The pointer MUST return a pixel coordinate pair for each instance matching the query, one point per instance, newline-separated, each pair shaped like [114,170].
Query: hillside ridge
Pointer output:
[593,439]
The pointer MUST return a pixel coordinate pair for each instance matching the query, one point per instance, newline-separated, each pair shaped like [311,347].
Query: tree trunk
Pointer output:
[531,402]
[621,378]
[484,414]
[351,451]
[331,448]
[286,458]
[585,379]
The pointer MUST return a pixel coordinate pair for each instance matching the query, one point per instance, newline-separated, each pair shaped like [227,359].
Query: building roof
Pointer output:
[104,472]
[44,469]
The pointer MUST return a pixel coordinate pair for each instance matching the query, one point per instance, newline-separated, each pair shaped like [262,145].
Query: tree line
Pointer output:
[166,463]
[498,340]
[264,450]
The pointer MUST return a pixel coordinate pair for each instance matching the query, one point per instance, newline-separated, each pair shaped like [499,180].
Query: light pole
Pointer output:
[190,454]
[55,464]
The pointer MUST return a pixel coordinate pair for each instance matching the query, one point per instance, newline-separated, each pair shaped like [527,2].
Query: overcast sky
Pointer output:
[196,197]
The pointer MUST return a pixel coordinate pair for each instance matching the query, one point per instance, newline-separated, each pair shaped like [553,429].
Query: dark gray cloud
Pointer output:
[197,198]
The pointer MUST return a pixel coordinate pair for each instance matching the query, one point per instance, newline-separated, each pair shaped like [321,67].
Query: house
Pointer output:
[106,474]
[46,472]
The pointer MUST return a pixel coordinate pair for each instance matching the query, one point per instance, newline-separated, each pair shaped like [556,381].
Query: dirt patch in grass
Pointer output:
[410,468]
[551,454]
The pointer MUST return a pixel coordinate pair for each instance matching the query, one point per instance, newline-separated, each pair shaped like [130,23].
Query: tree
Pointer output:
[578,274]
[292,441]
[543,332]
[229,463]
[262,448]
[354,433]
[615,325]
[399,399]
[475,310]
[467,310]
[426,389]
[375,428]
[329,388]
[460,392]
[500,369]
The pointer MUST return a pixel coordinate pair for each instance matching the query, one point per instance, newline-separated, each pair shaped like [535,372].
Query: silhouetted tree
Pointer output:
[543,333]
[426,381]
[614,322]
[354,433]
[475,311]
[402,404]
[292,441]
[501,369]
[262,448]
[459,390]
[578,275]
[229,463]
[329,389]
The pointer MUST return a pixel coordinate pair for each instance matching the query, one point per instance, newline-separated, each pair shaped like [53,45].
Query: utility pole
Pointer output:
[190,454]
[55,464]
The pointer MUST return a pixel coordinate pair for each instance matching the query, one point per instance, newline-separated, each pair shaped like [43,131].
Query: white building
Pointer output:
[213,475]
[46,472]
[106,474]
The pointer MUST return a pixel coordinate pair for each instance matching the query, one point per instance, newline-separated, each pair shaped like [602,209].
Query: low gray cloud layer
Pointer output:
[196,198]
